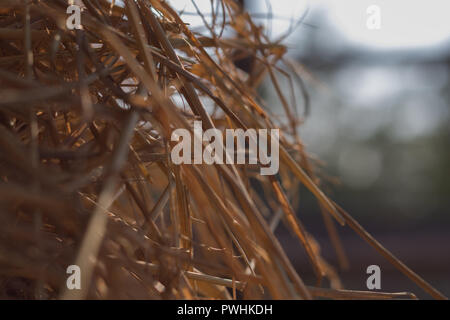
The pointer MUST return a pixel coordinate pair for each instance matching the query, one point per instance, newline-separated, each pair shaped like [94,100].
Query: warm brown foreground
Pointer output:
[86,178]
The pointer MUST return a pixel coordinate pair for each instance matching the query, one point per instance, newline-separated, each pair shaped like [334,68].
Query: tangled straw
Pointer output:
[86,118]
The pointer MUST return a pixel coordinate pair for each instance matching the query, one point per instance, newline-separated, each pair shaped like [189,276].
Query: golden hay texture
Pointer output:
[86,118]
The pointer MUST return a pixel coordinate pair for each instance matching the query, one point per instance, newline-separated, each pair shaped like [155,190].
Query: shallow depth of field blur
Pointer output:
[88,176]
[378,126]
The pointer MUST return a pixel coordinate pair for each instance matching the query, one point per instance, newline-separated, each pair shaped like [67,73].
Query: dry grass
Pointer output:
[86,178]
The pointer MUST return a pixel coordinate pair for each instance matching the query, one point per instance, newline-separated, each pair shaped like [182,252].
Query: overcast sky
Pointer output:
[404,23]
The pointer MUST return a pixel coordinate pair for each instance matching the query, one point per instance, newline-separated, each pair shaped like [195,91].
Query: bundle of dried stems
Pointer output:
[86,176]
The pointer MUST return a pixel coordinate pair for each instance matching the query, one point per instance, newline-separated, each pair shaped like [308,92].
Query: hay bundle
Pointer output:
[86,118]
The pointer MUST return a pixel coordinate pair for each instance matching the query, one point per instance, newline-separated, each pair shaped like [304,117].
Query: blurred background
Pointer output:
[378,122]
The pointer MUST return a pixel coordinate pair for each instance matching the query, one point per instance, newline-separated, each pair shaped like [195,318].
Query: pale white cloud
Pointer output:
[404,23]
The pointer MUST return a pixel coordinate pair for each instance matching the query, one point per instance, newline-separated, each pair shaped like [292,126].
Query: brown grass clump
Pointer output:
[86,177]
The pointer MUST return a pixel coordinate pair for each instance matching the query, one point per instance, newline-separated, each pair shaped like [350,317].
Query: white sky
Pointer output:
[404,23]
